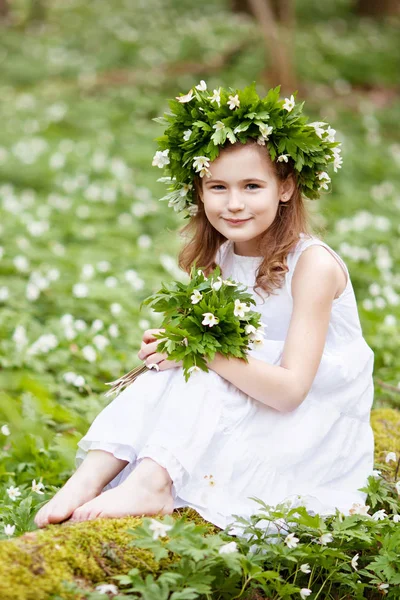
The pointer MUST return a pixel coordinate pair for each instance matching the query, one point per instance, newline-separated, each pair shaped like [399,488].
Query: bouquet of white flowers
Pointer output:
[205,316]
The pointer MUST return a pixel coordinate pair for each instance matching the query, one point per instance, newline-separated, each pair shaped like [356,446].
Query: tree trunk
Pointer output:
[277,40]
[383,8]
[4,9]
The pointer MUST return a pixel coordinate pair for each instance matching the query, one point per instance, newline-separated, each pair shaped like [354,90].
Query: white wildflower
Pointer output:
[265,131]
[161,159]
[87,271]
[291,541]
[216,97]
[331,134]
[193,209]
[80,325]
[228,548]
[201,162]
[202,86]
[159,529]
[186,98]
[283,158]
[325,179]
[391,456]
[397,486]
[289,103]
[37,487]
[305,568]
[359,509]
[80,290]
[326,538]
[187,134]
[196,296]
[5,430]
[97,325]
[209,319]
[249,329]
[113,330]
[89,353]
[233,102]
[383,586]
[9,530]
[20,337]
[13,492]
[107,588]
[319,127]
[101,342]
[396,518]
[379,515]
[194,369]
[205,171]
[217,284]
[305,592]
[240,309]
[115,309]
[218,126]
[354,561]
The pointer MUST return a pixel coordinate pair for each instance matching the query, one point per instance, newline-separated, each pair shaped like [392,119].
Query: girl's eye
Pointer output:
[255,185]
[216,186]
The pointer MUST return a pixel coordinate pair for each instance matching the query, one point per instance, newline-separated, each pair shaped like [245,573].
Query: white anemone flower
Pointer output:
[161,159]
[159,529]
[228,548]
[37,487]
[396,518]
[9,530]
[291,541]
[305,592]
[354,561]
[186,98]
[192,209]
[305,568]
[325,179]
[216,97]
[249,329]
[202,86]
[13,492]
[5,430]
[217,284]
[201,162]
[319,127]
[187,134]
[391,456]
[289,103]
[233,102]
[283,158]
[218,126]
[196,296]
[205,171]
[326,538]
[331,134]
[240,309]
[397,486]
[107,588]
[383,586]
[194,369]
[265,130]
[210,319]
[379,515]
[359,509]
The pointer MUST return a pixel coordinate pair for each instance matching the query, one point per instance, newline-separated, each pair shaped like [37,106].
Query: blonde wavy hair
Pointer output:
[291,219]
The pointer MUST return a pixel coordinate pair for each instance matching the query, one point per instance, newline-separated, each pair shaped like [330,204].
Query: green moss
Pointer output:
[386,425]
[34,566]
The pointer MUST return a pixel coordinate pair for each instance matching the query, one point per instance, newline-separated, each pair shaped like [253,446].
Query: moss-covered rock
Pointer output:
[34,566]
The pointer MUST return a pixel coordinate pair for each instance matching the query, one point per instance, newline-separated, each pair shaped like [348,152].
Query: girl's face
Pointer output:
[243,186]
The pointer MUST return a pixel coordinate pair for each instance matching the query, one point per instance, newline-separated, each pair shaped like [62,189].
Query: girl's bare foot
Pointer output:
[147,491]
[86,483]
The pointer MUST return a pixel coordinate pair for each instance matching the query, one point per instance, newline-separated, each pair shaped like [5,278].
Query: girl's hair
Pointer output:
[291,220]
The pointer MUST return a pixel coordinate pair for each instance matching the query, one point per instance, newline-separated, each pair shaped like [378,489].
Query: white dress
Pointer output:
[221,447]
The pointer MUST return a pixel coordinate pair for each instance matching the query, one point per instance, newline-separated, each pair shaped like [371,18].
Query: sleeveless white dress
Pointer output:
[221,447]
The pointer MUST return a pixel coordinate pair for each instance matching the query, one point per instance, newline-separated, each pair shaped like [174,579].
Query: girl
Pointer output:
[294,422]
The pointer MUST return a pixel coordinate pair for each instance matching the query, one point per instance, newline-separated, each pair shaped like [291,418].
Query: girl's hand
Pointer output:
[148,353]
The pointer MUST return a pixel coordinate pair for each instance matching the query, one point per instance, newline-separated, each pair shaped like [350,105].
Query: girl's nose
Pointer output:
[235,200]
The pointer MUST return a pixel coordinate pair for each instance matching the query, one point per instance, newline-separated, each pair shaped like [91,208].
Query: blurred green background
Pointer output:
[83,238]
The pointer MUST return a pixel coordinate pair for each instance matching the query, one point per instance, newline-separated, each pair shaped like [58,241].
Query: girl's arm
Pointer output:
[317,279]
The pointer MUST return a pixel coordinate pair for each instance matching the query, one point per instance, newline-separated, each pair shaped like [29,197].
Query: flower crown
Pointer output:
[200,124]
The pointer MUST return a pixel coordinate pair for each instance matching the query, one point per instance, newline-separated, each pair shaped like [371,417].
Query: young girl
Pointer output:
[294,422]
